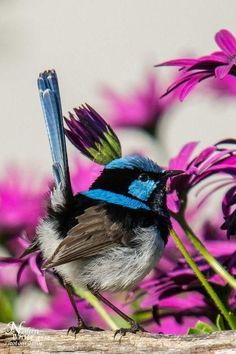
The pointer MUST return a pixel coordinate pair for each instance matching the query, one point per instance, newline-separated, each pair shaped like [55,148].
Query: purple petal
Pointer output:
[193,77]
[226,41]
[178,62]
[213,160]
[217,57]
[187,87]
[34,265]
[173,202]
[42,283]
[223,70]
[182,159]
[204,155]
[23,241]
[220,248]
[221,168]
[40,276]
[190,300]
[9,260]
[20,272]
[180,81]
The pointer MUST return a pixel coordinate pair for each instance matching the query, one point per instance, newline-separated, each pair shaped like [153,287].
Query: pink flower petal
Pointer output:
[173,202]
[217,56]
[182,159]
[5,261]
[20,272]
[204,155]
[226,41]
[178,62]
[187,88]
[212,160]
[40,276]
[42,283]
[223,70]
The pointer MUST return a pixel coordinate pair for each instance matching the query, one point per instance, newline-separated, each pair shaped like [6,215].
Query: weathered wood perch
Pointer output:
[51,341]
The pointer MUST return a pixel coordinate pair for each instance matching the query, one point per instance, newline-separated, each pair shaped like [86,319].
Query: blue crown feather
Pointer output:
[135,161]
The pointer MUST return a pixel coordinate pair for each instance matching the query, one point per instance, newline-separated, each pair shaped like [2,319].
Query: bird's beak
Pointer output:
[172,173]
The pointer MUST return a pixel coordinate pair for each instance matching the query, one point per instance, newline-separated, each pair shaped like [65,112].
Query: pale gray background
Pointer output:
[91,43]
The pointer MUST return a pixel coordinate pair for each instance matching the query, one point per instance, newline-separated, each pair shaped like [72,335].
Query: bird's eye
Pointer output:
[143,177]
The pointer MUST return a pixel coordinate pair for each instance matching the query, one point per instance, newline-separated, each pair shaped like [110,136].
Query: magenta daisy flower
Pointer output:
[141,108]
[213,160]
[176,295]
[218,64]
[21,201]
[32,262]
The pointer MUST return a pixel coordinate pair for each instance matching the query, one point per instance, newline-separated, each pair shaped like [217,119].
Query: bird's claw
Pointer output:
[135,327]
[76,329]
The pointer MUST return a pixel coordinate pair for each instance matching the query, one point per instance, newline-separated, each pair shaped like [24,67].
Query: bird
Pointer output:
[111,236]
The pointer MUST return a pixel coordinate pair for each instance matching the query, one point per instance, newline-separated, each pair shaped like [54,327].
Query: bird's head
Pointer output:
[134,182]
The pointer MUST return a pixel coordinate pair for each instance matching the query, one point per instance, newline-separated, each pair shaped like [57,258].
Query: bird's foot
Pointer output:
[81,325]
[135,327]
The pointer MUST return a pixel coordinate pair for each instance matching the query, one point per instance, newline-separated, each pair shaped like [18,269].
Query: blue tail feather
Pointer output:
[51,106]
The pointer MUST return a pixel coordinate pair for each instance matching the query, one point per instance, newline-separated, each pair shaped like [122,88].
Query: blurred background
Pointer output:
[94,45]
[104,54]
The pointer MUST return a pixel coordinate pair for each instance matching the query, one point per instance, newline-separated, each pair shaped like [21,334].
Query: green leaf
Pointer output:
[202,328]
[220,323]
[6,306]
[233,317]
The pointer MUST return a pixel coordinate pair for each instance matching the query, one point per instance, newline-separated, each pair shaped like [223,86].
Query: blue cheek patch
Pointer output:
[115,198]
[142,190]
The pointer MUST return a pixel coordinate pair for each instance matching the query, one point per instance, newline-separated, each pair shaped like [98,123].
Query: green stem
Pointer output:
[219,269]
[92,300]
[209,289]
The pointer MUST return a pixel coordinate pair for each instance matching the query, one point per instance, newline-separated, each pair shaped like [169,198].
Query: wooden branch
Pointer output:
[53,341]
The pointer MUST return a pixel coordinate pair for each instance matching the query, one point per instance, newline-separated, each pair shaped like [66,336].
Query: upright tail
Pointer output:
[51,106]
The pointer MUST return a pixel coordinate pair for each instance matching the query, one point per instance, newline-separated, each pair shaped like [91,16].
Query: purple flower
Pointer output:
[30,262]
[89,133]
[227,43]
[175,293]
[218,64]
[21,202]
[142,109]
[210,161]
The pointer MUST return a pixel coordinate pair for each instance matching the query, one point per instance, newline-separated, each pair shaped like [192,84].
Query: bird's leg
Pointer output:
[134,326]
[80,323]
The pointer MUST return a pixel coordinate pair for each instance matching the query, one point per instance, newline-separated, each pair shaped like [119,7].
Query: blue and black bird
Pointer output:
[111,236]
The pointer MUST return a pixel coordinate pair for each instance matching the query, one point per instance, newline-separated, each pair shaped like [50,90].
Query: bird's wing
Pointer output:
[94,232]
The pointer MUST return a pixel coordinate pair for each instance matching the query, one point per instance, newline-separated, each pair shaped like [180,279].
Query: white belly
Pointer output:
[119,268]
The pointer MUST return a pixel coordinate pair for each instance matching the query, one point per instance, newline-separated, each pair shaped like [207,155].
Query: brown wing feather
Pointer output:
[94,232]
